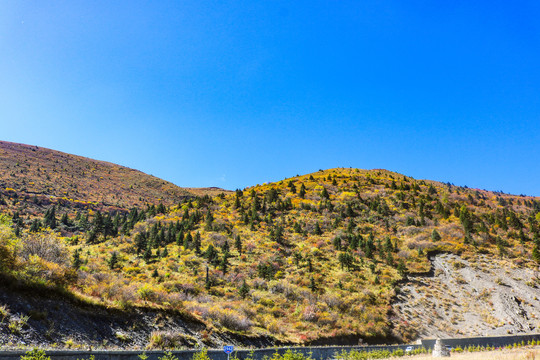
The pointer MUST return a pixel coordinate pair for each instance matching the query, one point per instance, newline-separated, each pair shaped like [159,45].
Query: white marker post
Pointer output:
[228,350]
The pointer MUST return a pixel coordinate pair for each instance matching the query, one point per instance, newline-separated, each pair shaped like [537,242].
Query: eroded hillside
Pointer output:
[473,295]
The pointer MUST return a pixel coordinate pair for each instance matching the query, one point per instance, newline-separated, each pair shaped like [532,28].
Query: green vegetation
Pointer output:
[306,258]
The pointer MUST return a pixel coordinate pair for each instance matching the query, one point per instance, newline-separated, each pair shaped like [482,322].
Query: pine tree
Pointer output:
[76,262]
[312,285]
[49,220]
[302,192]
[401,268]
[180,238]
[209,220]
[337,243]
[224,264]
[207,283]
[148,253]
[317,230]
[244,290]
[113,261]
[197,243]
[211,253]
[98,223]
[324,193]
[35,226]
[536,253]
[65,219]
[291,186]
[435,236]
[140,242]
[92,237]
[238,244]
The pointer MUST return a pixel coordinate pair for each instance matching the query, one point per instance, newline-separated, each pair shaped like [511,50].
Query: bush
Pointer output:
[168,356]
[288,355]
[8,245]
[47,247]
[169,340]
[201,355]
[230,319]
[35,354]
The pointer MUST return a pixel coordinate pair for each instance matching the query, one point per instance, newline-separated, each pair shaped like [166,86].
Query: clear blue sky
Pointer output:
[232,94]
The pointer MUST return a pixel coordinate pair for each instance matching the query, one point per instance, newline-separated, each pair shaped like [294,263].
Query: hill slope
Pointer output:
[318,258]
[46,176]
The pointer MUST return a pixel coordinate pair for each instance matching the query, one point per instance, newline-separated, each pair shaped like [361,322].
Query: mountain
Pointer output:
[38,177]
[337,256]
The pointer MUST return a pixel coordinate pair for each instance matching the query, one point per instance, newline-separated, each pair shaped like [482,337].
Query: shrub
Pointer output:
[201,355]
[169,340]
[47,247]
[4,311]
[146,292]
[16,325]
[8,245]
[230,319]
[35,354]
[168,356]
[288,355]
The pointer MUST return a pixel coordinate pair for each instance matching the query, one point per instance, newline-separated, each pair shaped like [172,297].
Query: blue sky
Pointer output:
[233,94]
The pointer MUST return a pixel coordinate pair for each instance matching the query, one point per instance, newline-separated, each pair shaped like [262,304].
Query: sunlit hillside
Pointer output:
[307,259]
[34,178]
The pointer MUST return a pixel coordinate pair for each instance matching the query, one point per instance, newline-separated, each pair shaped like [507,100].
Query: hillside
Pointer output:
[35,176]
[318,258]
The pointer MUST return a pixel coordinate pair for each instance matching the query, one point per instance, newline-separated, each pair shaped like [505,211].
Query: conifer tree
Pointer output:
[317,230]
[238,244]
[188,239]
[244,290]
[302,192]
[224,264]
[197,243]
[536,253]
[312,285]
[148,253]
[76,261]
[324,193]
[35,226]
[113,261]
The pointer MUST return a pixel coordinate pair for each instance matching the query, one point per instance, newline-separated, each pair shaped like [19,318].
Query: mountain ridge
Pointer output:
[38,172]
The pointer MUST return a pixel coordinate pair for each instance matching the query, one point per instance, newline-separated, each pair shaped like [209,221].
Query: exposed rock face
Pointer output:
[439,350]
[478,295]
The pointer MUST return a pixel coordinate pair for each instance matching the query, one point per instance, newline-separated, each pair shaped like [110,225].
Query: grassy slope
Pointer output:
[47,176]
[296,289]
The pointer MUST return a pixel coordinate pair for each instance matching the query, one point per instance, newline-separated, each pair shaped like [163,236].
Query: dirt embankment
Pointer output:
[49,320]
[476,296]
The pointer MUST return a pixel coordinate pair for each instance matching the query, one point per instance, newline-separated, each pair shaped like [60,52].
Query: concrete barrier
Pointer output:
[317,353]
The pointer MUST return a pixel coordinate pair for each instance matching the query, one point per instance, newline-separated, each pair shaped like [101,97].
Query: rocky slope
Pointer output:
[52,320]
[476,295]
